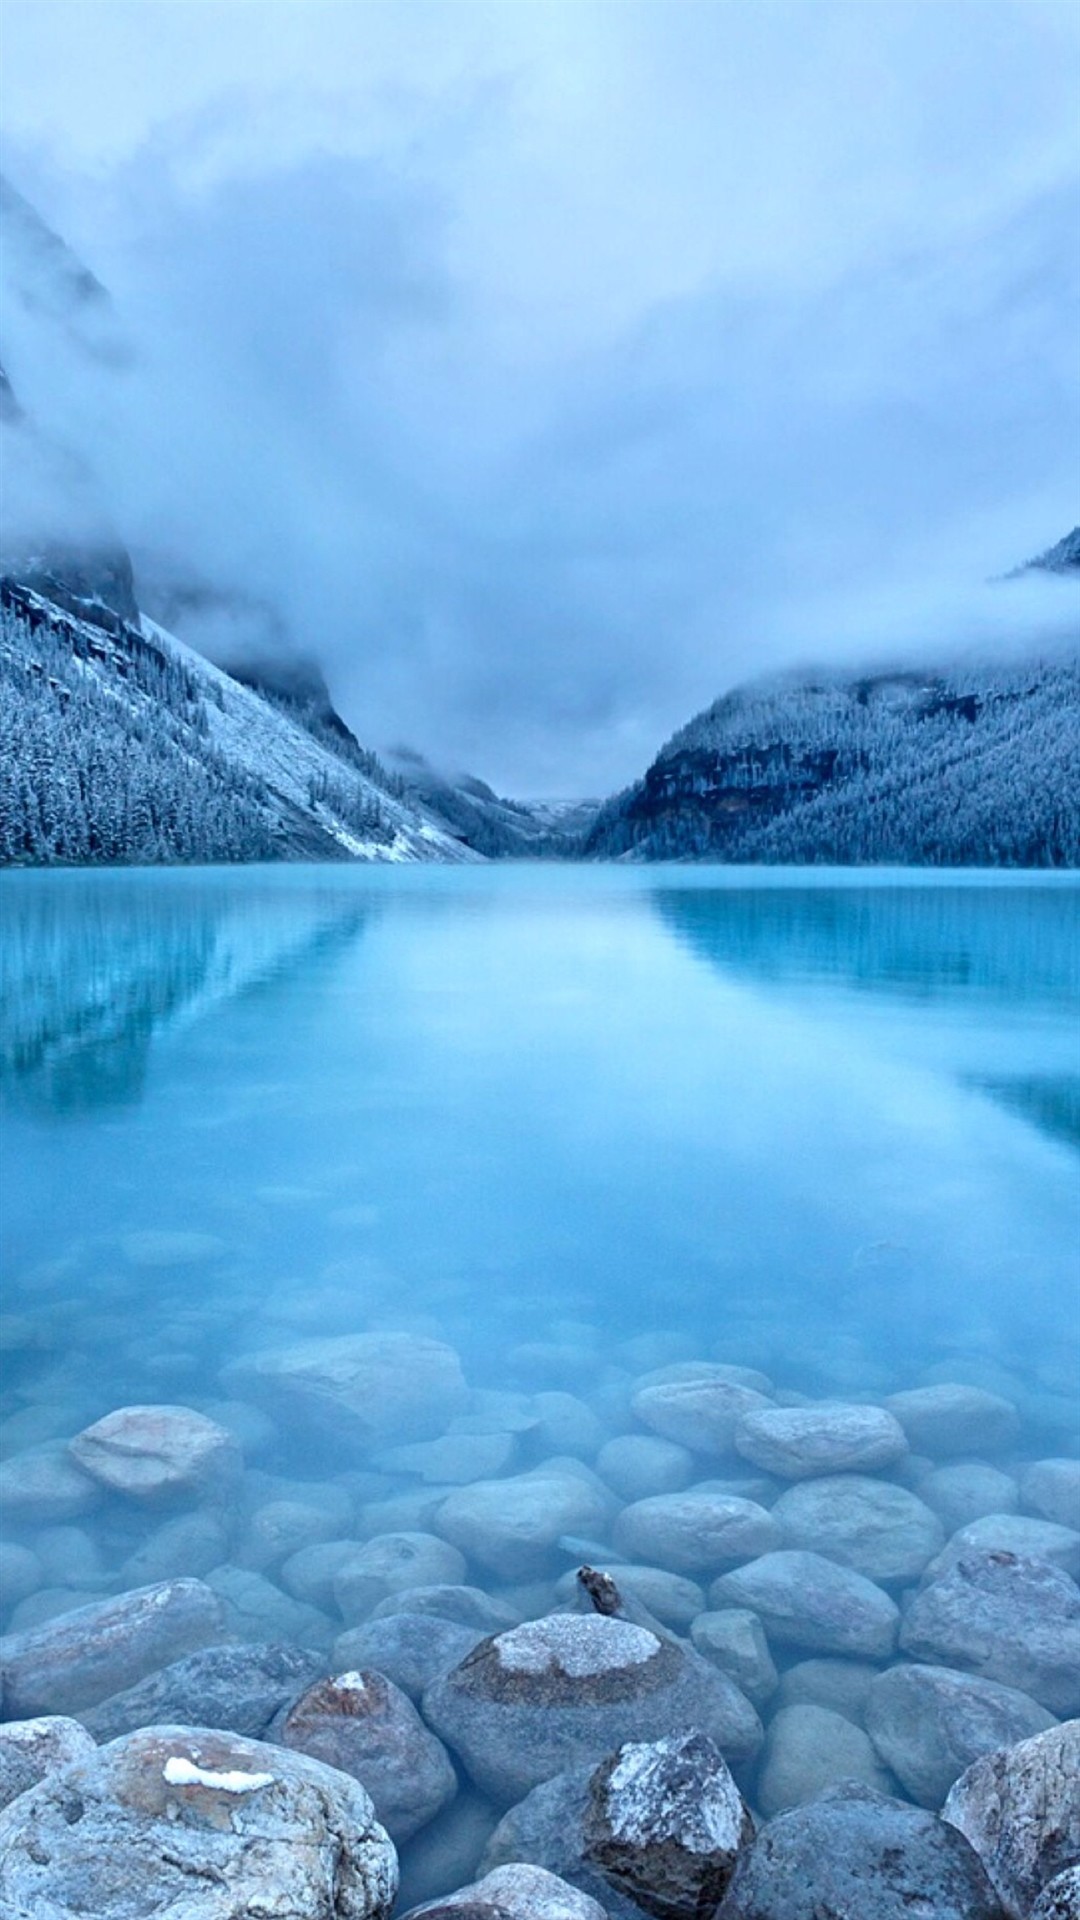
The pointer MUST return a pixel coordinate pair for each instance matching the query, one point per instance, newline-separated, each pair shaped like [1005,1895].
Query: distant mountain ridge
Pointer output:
[965,766]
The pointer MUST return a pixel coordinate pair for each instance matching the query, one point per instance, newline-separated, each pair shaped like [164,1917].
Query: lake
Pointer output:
[581,1124]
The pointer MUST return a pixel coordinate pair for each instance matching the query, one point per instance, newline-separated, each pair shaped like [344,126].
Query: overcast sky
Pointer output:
[553,366]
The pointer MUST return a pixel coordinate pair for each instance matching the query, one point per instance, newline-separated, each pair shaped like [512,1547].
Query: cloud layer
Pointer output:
[551,367]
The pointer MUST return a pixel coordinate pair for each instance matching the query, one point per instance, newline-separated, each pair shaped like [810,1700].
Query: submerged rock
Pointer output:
[735,1642]
[31,1749]
[1006,1618]
[1019,1533]
[411,1649]
[665,1822]
[695,1531]
[929,1723]
[391,1563]
[843,1685]
[366,1389]
[859,1855]
[967,1490]
[238,1689]
[799,1443]
[83,1657]
[516,1892]
[547,1695]
[809,1749]
[257,1610]
[701,1413]
[1051,1488]
[638,1465]
[44,1485]
[875,1528]
[512,1527]
[157,1453]
[198,1823]
[804,1600]
[364,1725]
[952,1418]
[1020,1809]
[466,1606]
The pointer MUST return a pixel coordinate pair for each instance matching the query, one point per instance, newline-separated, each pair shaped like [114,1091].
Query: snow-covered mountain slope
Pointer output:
[965,766]
[495,827]
[119,743]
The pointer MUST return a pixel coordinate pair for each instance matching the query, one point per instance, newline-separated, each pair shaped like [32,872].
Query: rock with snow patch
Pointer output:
[665,1822]
[194,1822]
[545,1696]
[362,1724]
[516,1892]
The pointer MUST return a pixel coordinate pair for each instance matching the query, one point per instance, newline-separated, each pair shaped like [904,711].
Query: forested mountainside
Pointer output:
[119,744]
[968,766]
[494,826]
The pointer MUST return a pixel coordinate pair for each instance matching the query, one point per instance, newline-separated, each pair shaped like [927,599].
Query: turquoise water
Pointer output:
[822,1123]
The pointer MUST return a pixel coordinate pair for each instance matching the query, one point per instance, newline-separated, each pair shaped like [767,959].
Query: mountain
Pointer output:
[958,766]
[497,828]
[119,744]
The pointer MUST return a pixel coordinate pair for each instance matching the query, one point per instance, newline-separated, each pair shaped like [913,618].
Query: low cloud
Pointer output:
[538,459]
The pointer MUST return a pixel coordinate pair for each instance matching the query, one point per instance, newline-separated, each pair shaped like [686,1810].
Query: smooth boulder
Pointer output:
[361,1389]
[800,1443]
[157,1453]
[238,1689]
[191,1822]
[1006,1618]
[806,1601]
[546,1696]
[809,1749]
[516,1892]
[83,1657]
[511,1528]
[362,1724]
[695,1532]
[929,1724]
[855,1854]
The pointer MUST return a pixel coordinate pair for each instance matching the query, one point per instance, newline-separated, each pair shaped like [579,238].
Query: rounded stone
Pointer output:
[800,1443]
[1004,1618]
[951,1418]
[1051,1488]
[21,1573]
[411,1649]
[363,1389]
[190,1820]
[856,1854]
[1020,1809]
[929,1724]
[32,1749]
[83,1657]
[638,1465]
[695,1532]
[842,1685]
[966,1490]
[465,1606]
[558,1691]
[190,1544]
[237,1689]
[699,1413]
[869,1525]
[1019,1533]
[44,1485]
[809,1749]
[515,1892]
[157,1453]
[362,1724]
[392,1563]
[511,1528]
[806,1601]
[735,1642]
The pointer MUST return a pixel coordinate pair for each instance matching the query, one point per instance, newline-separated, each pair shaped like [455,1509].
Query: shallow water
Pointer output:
[824,1121]
[576,1122]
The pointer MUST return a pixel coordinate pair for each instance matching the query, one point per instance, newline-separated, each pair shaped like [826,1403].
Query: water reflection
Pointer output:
[93,969]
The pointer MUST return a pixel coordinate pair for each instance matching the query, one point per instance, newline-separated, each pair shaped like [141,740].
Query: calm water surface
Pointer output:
[825,1123]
